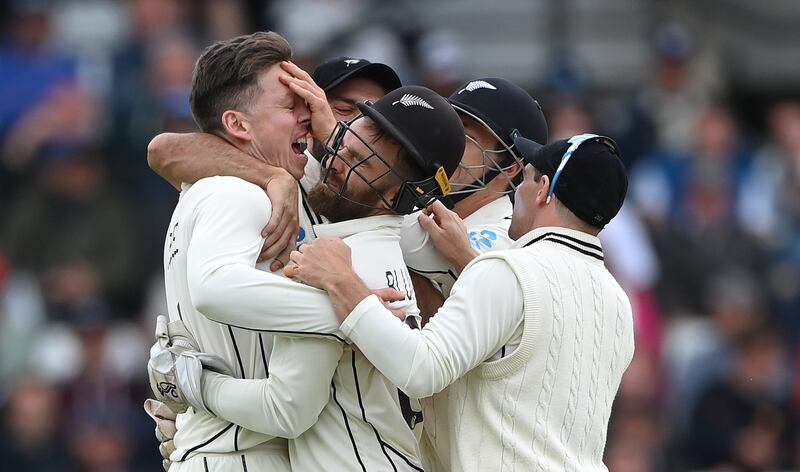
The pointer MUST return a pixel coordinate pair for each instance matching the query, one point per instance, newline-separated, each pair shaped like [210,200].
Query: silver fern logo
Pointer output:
[350,62]
[477,84]
[409,100]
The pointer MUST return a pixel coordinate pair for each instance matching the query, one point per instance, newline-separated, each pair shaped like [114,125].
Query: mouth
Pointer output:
[300,145]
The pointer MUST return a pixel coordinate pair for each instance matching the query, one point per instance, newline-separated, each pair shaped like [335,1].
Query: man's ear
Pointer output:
[544,187]
[236,125]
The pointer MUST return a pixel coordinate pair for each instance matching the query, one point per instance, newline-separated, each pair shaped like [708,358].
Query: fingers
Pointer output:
[438,209]
[166,449]
[309,92]
[429,224]
[283,242]
[282,259]
[158,410]
[292,271]
[296,71]
[389,294]
[273,236]
[399,314]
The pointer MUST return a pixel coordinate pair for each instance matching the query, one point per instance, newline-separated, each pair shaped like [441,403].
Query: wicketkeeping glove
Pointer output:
[165,428]
[171,339]
[176,367]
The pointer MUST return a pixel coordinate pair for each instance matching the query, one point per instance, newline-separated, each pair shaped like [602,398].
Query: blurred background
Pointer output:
[703,97]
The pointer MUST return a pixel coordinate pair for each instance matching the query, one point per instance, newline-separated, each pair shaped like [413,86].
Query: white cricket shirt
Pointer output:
[487,230]
[213,285]
[365,421]
[546,405]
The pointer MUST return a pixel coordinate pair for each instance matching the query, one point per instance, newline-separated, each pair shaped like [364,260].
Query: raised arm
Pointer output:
[481,315]
[290,400]
[189,157]
[223,281]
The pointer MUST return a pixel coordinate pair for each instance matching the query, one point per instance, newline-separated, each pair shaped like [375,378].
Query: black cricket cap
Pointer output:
[502,106]
[592,184]
[424,123]
[333,72]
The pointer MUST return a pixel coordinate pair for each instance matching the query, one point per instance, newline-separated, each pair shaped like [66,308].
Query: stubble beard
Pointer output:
[333,206]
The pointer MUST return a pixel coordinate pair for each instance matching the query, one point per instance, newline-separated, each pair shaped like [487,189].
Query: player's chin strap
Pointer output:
[420,193]
[574,142]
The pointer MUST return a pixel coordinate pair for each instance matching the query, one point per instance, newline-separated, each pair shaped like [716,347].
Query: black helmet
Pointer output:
[507,111]
[427,128]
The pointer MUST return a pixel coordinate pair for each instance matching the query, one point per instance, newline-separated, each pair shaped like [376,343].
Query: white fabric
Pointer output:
[210,252]
[358,414]
[576,340]
[487,230]
[268,457]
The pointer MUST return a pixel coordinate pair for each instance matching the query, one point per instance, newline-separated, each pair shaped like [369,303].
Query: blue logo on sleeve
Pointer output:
[482,240]
[301,235]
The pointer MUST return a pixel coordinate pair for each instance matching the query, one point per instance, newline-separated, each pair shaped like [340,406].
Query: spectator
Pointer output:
[94,253]
[32,438]
[743,421]
[690,202]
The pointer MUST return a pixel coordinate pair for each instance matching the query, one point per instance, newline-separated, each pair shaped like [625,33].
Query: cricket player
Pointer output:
[494,111]
[382,165]
[214,238]
[546,404]
[344,81]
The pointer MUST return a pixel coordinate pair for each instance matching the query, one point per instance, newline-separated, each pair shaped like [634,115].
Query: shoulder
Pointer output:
[489,267]
[229,194]
[228,187]
[488,278]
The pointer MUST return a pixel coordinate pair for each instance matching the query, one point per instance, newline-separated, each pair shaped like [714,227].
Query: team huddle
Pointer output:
[350,286]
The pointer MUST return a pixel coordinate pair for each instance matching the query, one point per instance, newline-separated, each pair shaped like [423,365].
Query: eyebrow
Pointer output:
[347,100]
[358,157]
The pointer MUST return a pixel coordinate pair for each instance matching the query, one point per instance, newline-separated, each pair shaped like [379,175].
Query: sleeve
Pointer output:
[422,257]
[290,400]
[480,316]
[224,284]
[419,252]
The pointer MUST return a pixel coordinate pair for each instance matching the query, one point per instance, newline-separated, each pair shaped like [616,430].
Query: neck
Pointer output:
[475,202]
[247,147]
[554,217]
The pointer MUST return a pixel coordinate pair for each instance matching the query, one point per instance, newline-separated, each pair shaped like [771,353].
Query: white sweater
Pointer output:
[546,405]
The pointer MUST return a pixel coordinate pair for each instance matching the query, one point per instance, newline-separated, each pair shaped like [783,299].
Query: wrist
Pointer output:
[346,292]
[274,173]
[463,258]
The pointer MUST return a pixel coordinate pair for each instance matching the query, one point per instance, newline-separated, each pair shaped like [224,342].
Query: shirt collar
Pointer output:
[581,242]
[344,229]
[493,211]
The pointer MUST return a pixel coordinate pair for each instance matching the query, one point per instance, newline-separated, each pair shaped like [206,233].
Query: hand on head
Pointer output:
[301,83]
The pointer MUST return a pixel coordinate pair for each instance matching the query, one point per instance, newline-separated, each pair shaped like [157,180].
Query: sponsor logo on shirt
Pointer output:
[482,240]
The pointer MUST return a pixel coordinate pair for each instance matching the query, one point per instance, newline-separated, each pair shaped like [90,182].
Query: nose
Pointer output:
[337,165]
[304,115]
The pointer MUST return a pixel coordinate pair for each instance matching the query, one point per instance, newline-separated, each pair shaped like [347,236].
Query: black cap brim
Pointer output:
[527,149]
[382,74]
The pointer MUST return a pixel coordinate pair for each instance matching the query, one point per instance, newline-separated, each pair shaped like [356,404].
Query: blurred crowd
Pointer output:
[707,245]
